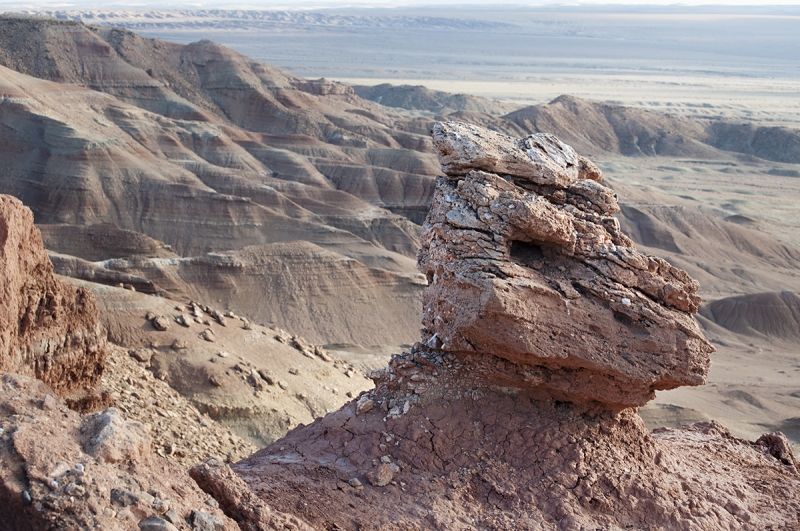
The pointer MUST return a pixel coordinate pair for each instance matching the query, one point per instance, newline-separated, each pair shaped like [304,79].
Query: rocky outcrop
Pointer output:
[47,329]
[542,326]
[535,270]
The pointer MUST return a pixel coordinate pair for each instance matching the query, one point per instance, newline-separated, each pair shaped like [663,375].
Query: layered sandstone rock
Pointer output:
[47,329]
[542,324]
[533,268]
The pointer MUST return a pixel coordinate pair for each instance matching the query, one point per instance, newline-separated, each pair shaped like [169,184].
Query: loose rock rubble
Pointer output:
[542,327]
[177,429]
[59,470]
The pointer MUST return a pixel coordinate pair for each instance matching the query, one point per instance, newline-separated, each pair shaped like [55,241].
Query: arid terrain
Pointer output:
[248,236]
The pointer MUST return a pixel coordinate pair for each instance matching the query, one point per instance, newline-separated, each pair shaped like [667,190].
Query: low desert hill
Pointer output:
[766,314]
[596,127]
[417,97]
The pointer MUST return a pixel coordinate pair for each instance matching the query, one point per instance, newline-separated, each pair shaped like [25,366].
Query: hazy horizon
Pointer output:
[339,4]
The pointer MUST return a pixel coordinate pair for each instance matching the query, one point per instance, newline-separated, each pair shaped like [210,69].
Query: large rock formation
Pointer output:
[529,266]
[47,329]
[542,324]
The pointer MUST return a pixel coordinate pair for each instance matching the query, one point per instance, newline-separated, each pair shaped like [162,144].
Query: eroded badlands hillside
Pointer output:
[206,150]
[193,172]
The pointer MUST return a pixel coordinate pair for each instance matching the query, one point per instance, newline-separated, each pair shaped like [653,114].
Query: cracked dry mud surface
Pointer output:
[479,451]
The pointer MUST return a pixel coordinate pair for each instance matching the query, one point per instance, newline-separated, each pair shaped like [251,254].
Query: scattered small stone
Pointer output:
[208,335]
[283,385]
[172,517]
[202,521]
[49,403]
[216,380]
[381,476]
[147,498]
[161,323]
[184,320]
[142,354]
[320,352]
[123,498]
[211,502]
[267,376]
[349,373]
[26,498]
[179,344]
[155,523]
[364,404]
[60,468]
[150,315]
[256,380]
[354,482]
[247,325]
[124,513]
[73,489]
[434,342]
[294,371]
[161,506]
[180,308]
[223,354]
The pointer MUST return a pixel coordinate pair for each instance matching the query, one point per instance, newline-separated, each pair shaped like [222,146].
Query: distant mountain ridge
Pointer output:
[592,126]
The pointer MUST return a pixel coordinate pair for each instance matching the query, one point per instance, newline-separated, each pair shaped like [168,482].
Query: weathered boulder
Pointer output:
[115,439]
[47,329]
[543,277]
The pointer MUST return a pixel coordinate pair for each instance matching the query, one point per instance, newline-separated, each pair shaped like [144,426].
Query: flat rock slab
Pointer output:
[539,158]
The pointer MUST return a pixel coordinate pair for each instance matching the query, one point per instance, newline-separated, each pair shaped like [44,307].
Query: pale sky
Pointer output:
[284,4]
